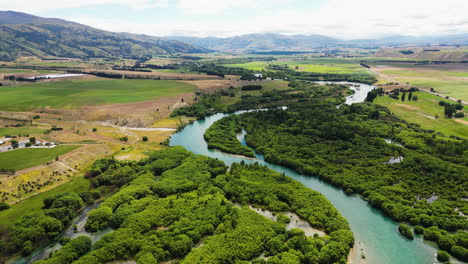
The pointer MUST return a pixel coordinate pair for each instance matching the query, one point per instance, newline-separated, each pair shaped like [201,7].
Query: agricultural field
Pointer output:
[223,101]
[423,112]
[313,65]
[35,203]
[25,158]
[76,93]
[447,80]
[16,131]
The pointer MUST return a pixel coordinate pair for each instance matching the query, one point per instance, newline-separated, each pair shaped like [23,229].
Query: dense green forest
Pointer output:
[177,205]
[415,176]
[298,91]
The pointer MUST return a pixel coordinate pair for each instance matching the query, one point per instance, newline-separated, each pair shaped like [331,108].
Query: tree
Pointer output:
[145,138]
[94,129]
[405,230]
[14,144]
[32,140]
[443,256]
[415,98]
[403,96]
[449,110]
[410,96]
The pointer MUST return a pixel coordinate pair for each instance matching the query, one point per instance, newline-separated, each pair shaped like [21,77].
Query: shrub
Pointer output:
[419,230]
[405,230]
[145,138]
[443,256]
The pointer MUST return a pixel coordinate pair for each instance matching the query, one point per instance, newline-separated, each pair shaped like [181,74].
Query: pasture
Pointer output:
[29,157]
[77,93]
[313,65]
[17,131]
[447,80]
[418,112]
[35,203]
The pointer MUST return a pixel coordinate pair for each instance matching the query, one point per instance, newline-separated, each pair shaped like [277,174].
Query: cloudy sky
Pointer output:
[223,18]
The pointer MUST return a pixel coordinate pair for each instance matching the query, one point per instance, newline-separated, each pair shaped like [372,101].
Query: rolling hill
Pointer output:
[27,35]
[279,42]
[262,42]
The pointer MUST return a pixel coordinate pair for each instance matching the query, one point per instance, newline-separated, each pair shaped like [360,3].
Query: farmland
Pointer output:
[26,158]
[313,65]
[76,93]
[447,80]
[15,131]
[35,203]
[423,112]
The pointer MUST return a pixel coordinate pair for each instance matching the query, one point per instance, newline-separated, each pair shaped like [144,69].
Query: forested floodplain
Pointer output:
[176,205]
[414,175]
[207,104]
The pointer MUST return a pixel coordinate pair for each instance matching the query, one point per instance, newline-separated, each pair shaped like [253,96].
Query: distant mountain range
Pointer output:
[262,42]
[27,35]
[278,42]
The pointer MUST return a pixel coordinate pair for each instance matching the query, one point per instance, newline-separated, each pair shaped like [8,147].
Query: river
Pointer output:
[376,235]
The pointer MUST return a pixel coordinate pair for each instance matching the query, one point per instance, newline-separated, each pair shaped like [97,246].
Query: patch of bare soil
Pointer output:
[409,107]
[461,121]
[138,114]
[213,85]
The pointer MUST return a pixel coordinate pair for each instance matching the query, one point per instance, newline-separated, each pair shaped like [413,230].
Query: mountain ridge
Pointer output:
[267,41]
[28,35]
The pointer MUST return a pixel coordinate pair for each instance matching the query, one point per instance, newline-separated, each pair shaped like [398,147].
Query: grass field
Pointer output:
[427,104]
[448,80]
[35,203]
[76,93]
[313,65]
[457,88]
[15,131]
[223,102]
[25,158]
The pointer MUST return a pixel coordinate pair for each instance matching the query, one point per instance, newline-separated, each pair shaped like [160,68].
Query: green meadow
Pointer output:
[76,93]
[313,65]
[427,104]
[35,203]
[29,157]
[456,87]
[16,131]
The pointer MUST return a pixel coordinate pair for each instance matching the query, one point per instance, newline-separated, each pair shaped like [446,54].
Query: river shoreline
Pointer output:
[372,229]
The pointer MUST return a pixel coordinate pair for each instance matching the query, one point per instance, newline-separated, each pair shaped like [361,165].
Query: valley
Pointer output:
[260,148]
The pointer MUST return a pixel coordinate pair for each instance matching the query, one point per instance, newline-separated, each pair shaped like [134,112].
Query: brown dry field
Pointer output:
[111,122]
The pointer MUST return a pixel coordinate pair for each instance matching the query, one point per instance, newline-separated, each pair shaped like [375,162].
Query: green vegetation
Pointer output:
[37,228]
[405,231]
[417,112]
[452,87]
[314,65]
[73,249]
[347,147]
[25,158]
[443,256]
[34,203]
[72,94]
[227,141]
[268,97]
[17,131]
[170,204]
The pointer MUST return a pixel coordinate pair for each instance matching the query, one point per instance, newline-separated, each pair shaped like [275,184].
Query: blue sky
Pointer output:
[223,18]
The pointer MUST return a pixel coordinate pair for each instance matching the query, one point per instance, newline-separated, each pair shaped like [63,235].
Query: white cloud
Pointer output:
[35,6]
[338,18]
